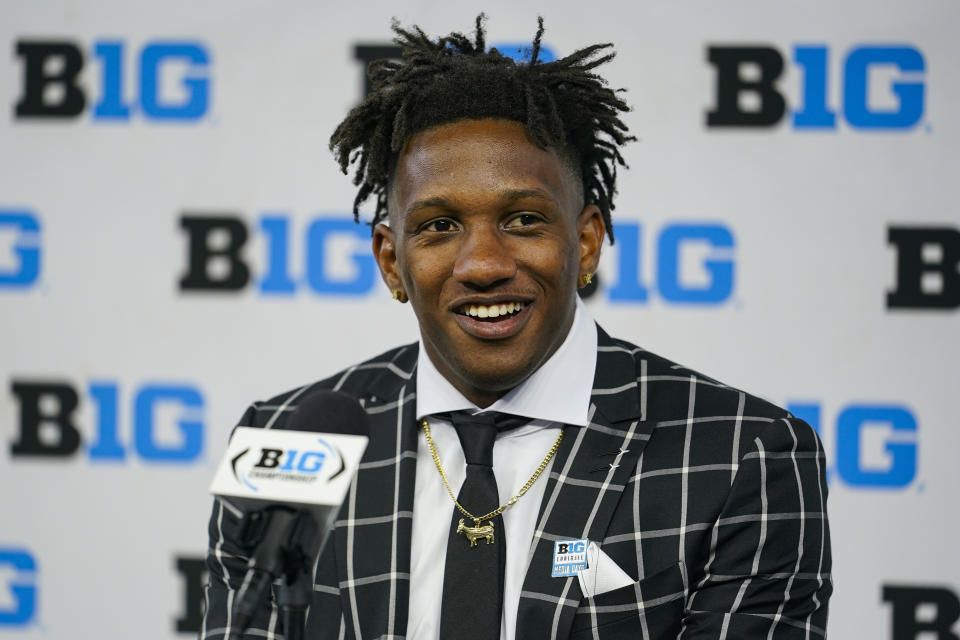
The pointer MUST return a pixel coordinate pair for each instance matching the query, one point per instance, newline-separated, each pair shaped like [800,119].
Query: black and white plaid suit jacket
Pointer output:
[713,500]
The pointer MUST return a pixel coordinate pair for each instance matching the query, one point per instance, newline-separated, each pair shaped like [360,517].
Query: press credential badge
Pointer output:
[569,557]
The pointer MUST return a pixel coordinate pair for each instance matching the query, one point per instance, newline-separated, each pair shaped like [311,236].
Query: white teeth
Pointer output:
[492,311]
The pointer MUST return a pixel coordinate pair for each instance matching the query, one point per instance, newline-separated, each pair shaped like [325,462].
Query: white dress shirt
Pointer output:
[556,394]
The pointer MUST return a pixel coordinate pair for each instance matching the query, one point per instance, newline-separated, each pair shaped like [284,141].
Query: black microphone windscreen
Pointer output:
[328,411]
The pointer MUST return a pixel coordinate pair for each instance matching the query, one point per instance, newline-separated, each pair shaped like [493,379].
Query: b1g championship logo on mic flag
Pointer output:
[288,466]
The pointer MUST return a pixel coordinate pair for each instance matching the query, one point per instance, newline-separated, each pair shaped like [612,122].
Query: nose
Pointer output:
[484,259]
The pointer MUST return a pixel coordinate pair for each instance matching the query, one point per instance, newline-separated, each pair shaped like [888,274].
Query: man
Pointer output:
[700,509]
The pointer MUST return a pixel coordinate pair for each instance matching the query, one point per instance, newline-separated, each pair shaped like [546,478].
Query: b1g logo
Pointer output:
[18,587]
[292,465]
[47,426]
[694,262]
[20,243]
[928,268]
[52,88]
[874,445]
[337,259]
[747,95]
[569,557]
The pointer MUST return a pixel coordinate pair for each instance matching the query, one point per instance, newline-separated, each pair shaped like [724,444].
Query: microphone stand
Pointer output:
[294,597]
[287,541]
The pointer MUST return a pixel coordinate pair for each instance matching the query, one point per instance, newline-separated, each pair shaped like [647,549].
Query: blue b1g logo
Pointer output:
[51,407]
[336,256]
[20,240]
[56,64]
[745,99]
[18,605]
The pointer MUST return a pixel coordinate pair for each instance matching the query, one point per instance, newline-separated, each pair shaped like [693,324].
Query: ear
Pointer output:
[591,230]
[385,253]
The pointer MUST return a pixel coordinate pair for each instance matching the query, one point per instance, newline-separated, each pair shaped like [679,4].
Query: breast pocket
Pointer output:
[650,608]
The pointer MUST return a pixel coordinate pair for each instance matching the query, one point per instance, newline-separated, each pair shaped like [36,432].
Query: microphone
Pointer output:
[289,483]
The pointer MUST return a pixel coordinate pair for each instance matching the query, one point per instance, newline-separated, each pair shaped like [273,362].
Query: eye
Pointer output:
[522,220]
[440,225]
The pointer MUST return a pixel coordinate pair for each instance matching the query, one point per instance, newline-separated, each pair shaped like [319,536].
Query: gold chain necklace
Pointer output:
[485,532]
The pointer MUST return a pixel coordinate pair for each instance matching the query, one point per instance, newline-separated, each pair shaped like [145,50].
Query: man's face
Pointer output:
[488,239]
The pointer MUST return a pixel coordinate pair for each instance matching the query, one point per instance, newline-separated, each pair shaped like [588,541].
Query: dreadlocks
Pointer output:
[562,104]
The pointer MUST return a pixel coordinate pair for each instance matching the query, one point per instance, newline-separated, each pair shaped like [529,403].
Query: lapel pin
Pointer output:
[569,557]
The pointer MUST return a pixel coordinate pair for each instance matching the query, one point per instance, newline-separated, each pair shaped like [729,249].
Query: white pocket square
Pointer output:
[602,573]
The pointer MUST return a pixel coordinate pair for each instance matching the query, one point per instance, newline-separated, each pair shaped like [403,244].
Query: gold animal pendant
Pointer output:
[484,532]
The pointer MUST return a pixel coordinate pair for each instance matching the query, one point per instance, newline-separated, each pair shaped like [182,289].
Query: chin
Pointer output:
[494,379]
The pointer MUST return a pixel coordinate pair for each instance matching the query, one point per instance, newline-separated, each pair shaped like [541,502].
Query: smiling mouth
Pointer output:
[491,312]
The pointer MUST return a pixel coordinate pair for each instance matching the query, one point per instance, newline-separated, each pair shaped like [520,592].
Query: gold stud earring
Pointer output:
[399,296]
[586,279]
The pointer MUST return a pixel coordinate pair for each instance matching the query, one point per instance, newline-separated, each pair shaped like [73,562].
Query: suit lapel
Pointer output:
[374,533]
[588,476]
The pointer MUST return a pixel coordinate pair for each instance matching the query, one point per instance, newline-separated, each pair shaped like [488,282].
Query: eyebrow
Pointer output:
[508,196]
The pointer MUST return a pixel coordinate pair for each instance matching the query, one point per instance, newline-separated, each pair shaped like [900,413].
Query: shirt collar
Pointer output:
[559,391]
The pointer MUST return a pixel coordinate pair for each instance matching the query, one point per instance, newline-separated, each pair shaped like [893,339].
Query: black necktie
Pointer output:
[473,575]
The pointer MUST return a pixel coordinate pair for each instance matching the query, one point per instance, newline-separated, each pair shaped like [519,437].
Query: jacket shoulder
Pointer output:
[675,398]
[668,385]
[377,377]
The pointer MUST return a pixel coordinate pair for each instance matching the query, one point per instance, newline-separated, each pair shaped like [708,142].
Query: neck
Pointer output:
[479,397]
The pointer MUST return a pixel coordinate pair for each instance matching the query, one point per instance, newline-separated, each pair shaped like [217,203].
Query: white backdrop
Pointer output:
[224,109]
